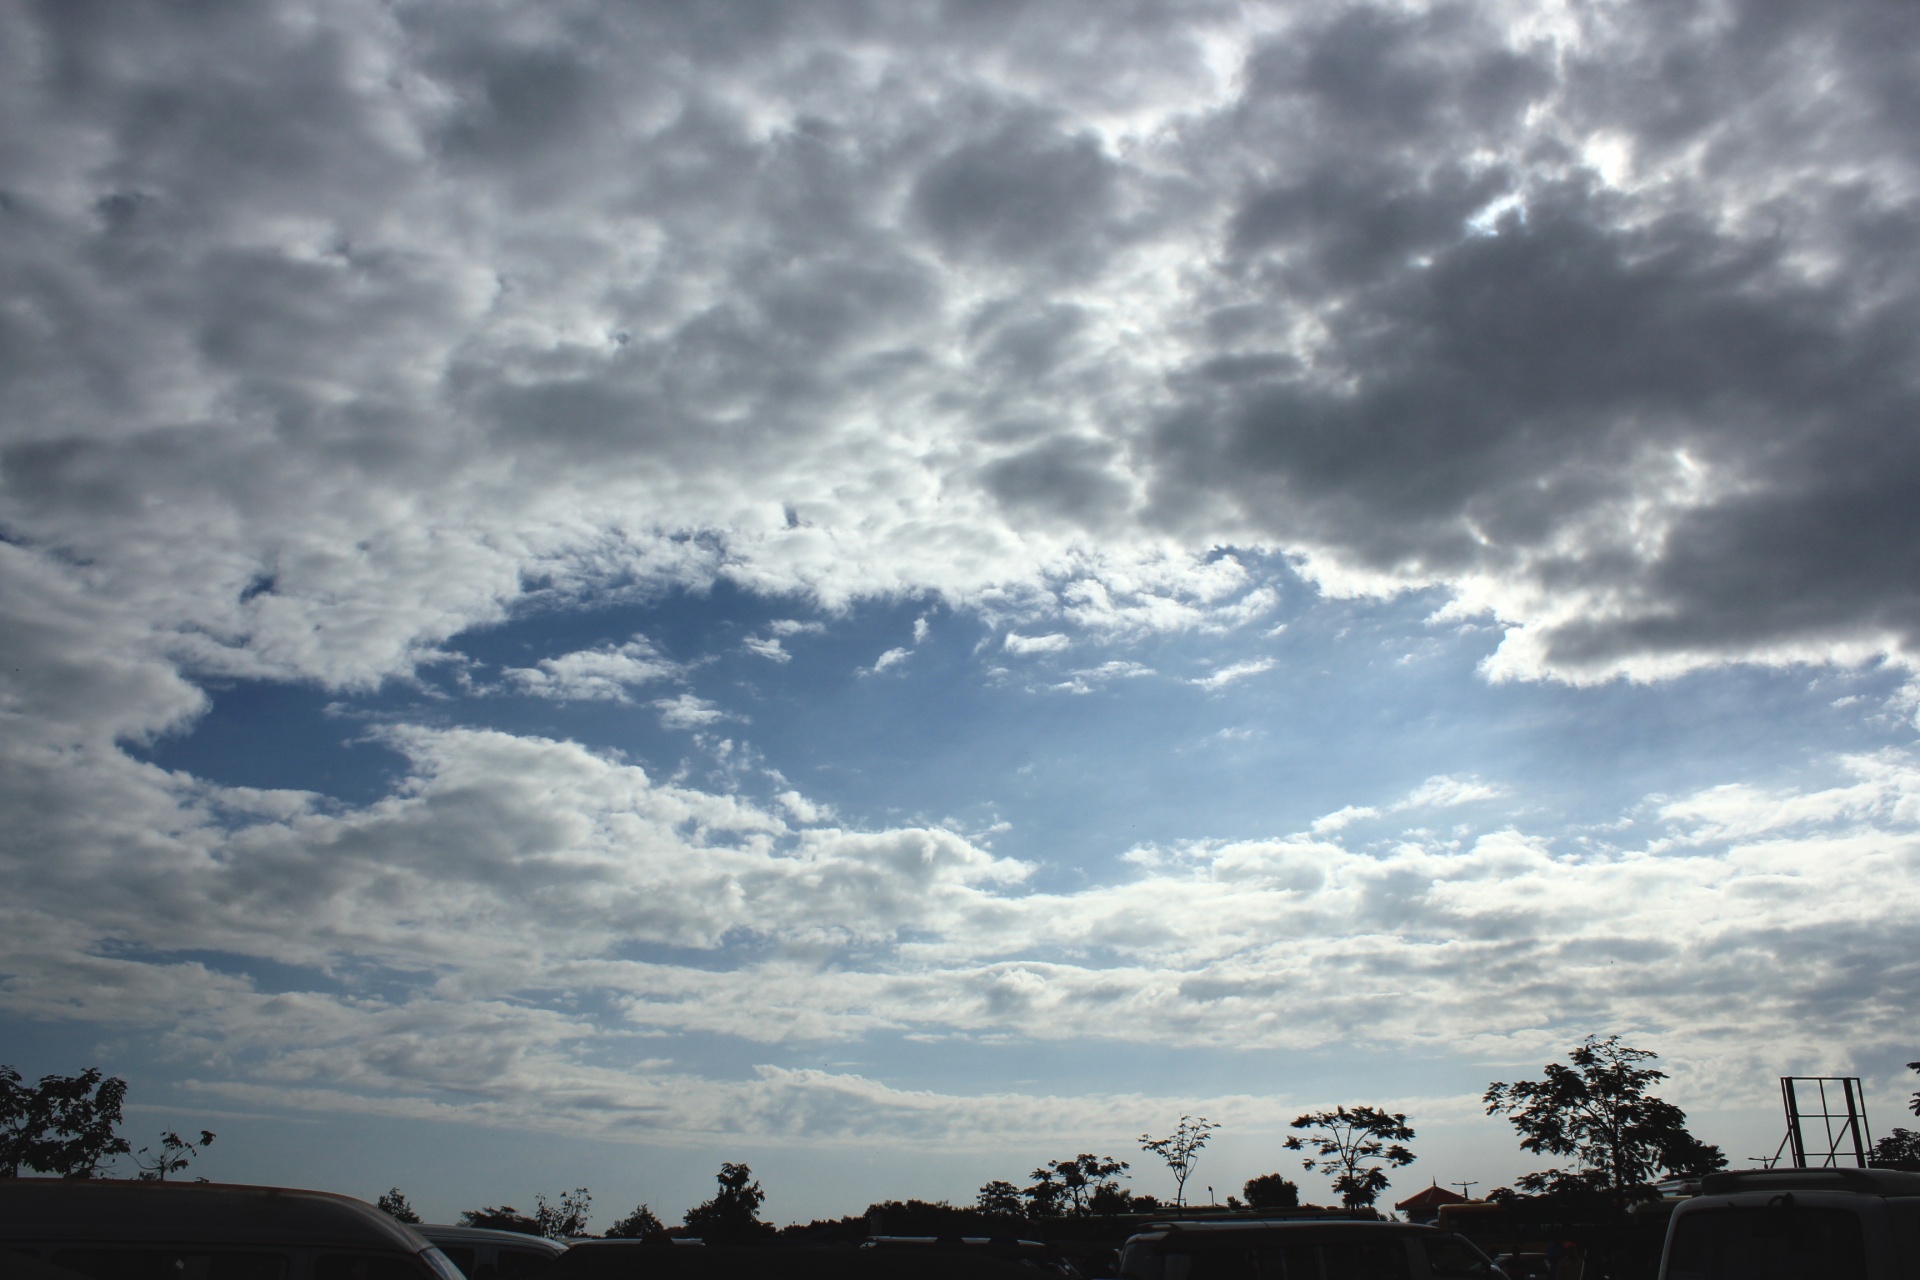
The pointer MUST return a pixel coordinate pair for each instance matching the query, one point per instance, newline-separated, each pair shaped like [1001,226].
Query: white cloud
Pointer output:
[891,658]
[1234,671]
[687,711]
[1086,679]
[1342,818]
[803,810]
[605,674]
[337,404]
[767,647]
[1443,791]
[513,870]
[1740,812]
[1053,642]
[1116,669]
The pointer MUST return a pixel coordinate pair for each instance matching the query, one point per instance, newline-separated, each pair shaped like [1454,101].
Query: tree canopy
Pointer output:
[1898,1150]
[641,1224]
[1355,1147]
[63,1125]
[733,1215]
[567,1219]
[1081,1185]
[394,1204]
[1001,1199]
[501,1218]
[1598,1111]
[1271,1191]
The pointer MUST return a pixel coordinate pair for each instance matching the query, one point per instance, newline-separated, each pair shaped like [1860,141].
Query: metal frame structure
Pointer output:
[1845,1131]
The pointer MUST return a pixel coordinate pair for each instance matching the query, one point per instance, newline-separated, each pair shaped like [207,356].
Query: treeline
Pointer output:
[1595,1111]
[732,1216]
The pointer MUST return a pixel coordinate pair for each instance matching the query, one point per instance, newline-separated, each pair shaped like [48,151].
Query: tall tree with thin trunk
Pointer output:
[1181,1150]
[174,1155]
[1354,1147]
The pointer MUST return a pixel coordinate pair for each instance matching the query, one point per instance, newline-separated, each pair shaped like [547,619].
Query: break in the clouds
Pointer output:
[1331,396]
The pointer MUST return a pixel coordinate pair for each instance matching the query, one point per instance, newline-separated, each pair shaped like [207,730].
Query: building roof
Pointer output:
[1432,1198]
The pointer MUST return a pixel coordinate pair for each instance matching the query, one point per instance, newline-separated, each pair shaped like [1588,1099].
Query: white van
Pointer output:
[1797,1224]
[483,1253]
[111,1230]
[1301,1249]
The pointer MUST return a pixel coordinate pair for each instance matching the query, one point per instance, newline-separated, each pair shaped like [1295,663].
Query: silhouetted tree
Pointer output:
[1599,1112]
[1078,1180]
[1000,1198]
[641,1224]
[732,1216]
[1913,1105]
[64,1125]
[1110,1198]
[1271,1191]
[1898,1150]
[394,1204]
[175,1154]
[1687,1156]
[1045,1194]
[501,1218]
[1355,1147]
[566,1219]
[1181,1150]
[556,1222]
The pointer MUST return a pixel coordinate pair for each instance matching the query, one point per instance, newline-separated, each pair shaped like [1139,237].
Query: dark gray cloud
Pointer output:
[1675,398]
[1027,195]
[1596,319]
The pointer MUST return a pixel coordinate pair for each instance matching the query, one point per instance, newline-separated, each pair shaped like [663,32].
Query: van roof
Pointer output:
[206,1212]
[635,1260]
[1878,1182]
[490,1235]
[1224,1233]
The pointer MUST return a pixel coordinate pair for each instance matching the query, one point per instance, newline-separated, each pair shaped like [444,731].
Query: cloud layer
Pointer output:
[332,332]
[522,907]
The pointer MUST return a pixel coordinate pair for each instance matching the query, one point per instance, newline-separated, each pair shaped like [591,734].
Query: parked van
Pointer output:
[483,1253]
[1031,1254]
[110,1230]
[1797,1224]
[658,1260]
[1296,1249]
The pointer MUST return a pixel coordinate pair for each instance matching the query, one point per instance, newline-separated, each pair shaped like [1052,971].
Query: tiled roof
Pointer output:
[1431,1198]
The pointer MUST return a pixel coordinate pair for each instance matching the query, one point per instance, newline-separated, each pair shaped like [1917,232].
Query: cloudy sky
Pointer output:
[895,590]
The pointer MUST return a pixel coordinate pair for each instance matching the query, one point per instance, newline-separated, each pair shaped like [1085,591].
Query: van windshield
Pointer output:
[1780,1241]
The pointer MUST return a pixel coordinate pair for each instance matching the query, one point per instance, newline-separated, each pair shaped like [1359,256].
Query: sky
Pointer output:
[894,591]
